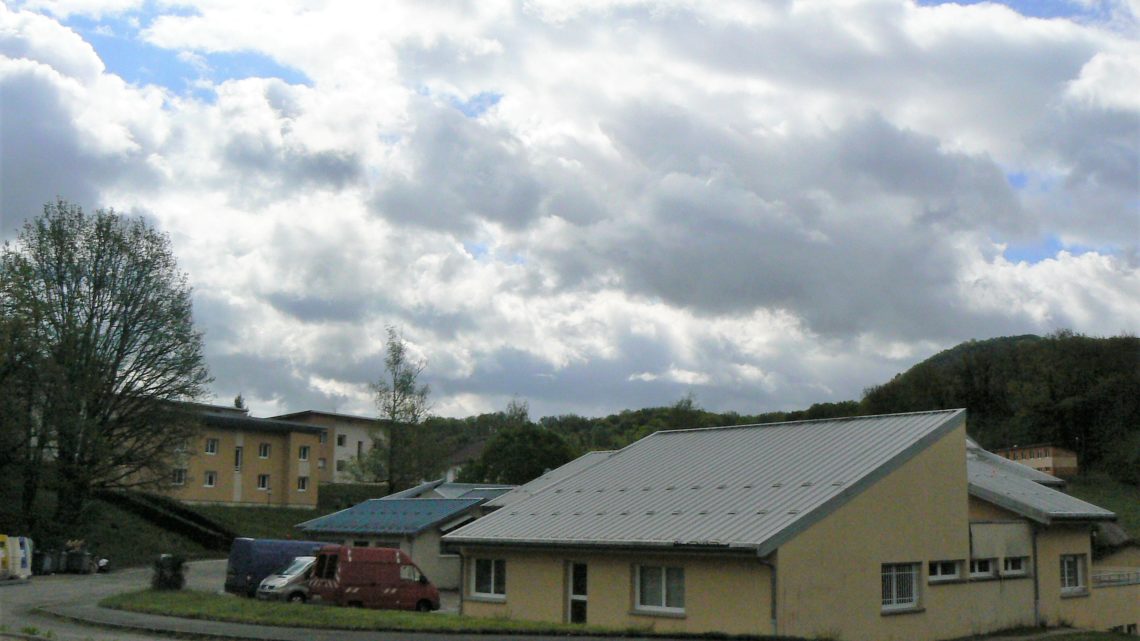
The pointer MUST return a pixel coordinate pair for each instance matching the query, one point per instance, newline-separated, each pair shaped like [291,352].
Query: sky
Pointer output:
[594,205]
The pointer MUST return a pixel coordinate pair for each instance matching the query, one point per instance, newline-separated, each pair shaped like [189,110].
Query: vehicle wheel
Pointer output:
[296,597]
[423,606]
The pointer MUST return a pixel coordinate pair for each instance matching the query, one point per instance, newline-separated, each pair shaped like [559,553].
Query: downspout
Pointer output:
[462,579]
[1036,585]
[772,590]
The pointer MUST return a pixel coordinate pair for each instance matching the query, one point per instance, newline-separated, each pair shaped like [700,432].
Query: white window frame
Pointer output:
[895,601]
[661,607]
[211,446]
[302,484]
[209,479]
[341,440]
[322,463]
[988,573]
[324,437]
[303,453]
[179,476]
[264,450]
[1073,582]
[937,571]
[263,482]
[1021,571]
[498,569]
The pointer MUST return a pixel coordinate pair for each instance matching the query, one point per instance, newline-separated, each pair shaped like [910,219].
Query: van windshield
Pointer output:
[299,565]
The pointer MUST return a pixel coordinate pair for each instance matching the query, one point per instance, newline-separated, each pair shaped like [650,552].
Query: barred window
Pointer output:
[900,586]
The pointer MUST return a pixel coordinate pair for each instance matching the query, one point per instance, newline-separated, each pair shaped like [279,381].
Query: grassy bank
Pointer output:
[215,607]
[1101,490]
[259,522]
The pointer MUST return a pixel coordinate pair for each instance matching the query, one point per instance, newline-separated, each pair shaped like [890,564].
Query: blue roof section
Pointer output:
[390,516]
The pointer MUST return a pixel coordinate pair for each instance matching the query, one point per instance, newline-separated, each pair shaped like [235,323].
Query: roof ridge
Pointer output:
[948,412]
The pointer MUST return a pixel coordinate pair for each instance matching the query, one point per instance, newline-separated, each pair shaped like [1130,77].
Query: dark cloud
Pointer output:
[44,155]
[463,170]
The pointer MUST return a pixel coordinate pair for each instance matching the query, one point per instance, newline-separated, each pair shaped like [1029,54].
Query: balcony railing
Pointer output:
[1110,578]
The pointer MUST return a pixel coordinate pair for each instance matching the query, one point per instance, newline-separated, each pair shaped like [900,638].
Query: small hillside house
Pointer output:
[414,524]
[1043,457]
[864,529]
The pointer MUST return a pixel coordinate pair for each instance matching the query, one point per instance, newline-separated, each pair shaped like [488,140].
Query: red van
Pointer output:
[382,578]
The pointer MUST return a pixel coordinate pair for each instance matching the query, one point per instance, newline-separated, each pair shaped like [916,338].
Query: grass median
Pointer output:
[221,607]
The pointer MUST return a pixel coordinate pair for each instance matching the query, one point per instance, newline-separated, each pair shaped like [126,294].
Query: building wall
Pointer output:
[239,487]
[724,594]
[1125,557]
[442,569]
[829,576]
[985,511]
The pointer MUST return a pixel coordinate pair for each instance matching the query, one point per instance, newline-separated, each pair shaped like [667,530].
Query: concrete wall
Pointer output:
[723,594]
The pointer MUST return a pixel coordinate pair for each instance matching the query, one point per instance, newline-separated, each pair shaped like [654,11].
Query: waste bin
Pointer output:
[79,561]
[60,561]
[43,562]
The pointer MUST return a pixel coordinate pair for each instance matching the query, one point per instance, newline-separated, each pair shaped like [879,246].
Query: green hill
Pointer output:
[1075,391]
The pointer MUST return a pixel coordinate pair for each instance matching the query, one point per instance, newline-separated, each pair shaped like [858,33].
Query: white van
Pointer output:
[290,583]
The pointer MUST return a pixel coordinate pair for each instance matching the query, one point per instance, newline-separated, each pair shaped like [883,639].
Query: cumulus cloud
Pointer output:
[596,205]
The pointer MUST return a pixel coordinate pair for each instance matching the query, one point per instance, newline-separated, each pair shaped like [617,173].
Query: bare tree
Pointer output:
[108,322]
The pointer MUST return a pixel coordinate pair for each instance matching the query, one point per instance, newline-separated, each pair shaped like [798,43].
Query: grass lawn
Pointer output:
[260,522]
[1093,636]
[218,607]
[1101,490]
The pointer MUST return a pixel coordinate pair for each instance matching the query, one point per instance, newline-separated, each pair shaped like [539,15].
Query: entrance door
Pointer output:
[576,607]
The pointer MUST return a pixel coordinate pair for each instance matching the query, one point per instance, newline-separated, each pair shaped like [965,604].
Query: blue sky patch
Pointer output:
[478,104]
[1046,248]
[1041,8]
[118,43]
[1017,179]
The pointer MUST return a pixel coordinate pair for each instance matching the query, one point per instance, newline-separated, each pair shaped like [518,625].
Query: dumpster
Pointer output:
[22,556]
[44,562]
[79,561]
[5,570]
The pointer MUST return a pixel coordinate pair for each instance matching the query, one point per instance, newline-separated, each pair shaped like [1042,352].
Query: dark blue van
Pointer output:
[251,560]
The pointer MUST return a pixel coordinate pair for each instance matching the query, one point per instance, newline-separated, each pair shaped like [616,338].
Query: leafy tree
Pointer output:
[402,452]
[97,309]
[239,402]
[519,451]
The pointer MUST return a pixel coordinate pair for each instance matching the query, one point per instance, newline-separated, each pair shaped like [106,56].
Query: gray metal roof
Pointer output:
[1015,491]
[389,516]
[1012,467]
[553,476]
[750,487]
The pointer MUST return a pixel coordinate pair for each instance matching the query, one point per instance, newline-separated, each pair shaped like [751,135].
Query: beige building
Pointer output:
[347,438]
[872,528]
[1043,457]
[240,460]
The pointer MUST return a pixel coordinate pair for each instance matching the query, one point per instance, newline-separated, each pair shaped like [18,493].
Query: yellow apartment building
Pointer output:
[883,528]
[1043,457]
[346,437]
[241,460]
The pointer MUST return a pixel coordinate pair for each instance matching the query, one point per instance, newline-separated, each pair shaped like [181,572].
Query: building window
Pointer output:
[324,437]
[303,453]
[211,479]
[178,477]
[341,440]
[321,464]
[900,586]
[660,589]
[981,568]
[1072,573]
[263,481]
[490,578]
[340,466]
[211,446]
[943,571]
[237,459]
[360,544]
[1014,565]
[302,483]
[263,450]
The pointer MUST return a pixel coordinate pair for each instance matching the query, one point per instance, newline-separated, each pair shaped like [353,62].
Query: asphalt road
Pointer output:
[78,595]
[18,600]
